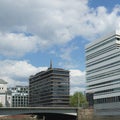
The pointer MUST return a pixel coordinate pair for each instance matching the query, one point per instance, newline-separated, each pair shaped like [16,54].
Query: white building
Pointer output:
[5,95]
[103,73]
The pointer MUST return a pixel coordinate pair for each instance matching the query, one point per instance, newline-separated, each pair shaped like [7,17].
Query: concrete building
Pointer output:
[49,88]
[19,96]
[103,73]
[5,95]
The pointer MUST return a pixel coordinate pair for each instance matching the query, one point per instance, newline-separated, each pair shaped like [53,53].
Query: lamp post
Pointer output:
[78,99]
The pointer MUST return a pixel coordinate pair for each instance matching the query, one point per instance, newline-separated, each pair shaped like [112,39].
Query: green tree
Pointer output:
[78,99]
[1,105]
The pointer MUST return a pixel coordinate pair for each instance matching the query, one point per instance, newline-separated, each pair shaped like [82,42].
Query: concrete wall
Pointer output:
[3,99]
[3,88]
[106,118]
[109,109]
[88,114]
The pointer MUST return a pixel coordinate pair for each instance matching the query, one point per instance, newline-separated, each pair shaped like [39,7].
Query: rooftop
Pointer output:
[107,36]
[2,81]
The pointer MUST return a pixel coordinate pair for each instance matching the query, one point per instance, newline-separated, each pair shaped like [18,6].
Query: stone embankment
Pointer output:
[88,114]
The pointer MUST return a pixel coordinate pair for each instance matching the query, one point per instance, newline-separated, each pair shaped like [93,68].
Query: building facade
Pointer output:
[19,96]
[5,95]
[49,88]
[103,74]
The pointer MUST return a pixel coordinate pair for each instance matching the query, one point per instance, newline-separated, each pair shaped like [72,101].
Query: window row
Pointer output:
[104,75]
[101,52]
[103,67]
[104,59]
[100,44]
[107,100]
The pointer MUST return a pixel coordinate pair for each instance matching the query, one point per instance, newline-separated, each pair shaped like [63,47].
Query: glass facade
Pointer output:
[19,96]
[49,88]
[103,72]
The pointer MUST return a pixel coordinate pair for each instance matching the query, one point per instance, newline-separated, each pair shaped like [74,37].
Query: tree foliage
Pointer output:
[78,99]
[1,105]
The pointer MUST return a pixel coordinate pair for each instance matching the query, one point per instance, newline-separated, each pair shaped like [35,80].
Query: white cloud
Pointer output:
[29,26]
[54,22]
[66,52]
[66,56]
[16,44]
[77,81]
[17,72]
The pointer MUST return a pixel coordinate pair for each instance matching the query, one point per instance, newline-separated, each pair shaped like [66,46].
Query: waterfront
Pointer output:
[39,117]
[83,114]
[18,117]
[28,117]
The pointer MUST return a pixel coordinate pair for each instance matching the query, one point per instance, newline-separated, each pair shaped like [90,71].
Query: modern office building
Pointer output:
[103,73]
[49,88]
[5,95]
[19,96]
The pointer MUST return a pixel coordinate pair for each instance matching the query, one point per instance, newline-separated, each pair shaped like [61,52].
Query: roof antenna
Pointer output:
[50,64]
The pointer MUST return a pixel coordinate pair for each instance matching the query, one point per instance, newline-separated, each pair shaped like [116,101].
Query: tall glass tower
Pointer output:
[103,73]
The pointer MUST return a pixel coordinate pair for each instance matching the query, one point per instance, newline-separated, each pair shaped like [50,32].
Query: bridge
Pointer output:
[41,111]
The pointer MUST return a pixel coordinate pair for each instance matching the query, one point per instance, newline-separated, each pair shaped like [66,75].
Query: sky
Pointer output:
[33,32]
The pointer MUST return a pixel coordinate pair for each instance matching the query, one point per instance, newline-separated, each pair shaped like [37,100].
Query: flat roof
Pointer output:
[114,33]
[2,81]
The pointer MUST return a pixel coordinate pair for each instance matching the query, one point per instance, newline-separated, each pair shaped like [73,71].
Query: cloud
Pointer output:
[30,26]
[66,52]
[66,56]
[17,72]
[12,44]
[50,23]
[77,81]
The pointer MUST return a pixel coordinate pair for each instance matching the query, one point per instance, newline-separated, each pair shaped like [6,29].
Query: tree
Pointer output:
[78,99]
[1,105]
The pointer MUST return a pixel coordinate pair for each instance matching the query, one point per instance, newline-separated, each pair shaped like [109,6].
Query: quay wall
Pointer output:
[88,114]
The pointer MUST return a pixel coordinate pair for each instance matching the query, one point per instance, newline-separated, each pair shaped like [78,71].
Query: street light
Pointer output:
[78,99]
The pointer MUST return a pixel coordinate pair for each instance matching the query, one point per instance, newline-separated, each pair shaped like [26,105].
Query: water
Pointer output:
[48,117]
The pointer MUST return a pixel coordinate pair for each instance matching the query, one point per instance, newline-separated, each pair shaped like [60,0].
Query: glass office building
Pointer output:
[19,96]
[103,73]
[49,88]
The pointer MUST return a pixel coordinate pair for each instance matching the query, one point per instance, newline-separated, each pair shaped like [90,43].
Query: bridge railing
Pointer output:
[37,110]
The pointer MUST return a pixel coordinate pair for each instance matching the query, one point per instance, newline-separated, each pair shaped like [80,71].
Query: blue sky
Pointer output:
[34,32]
[109,4]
